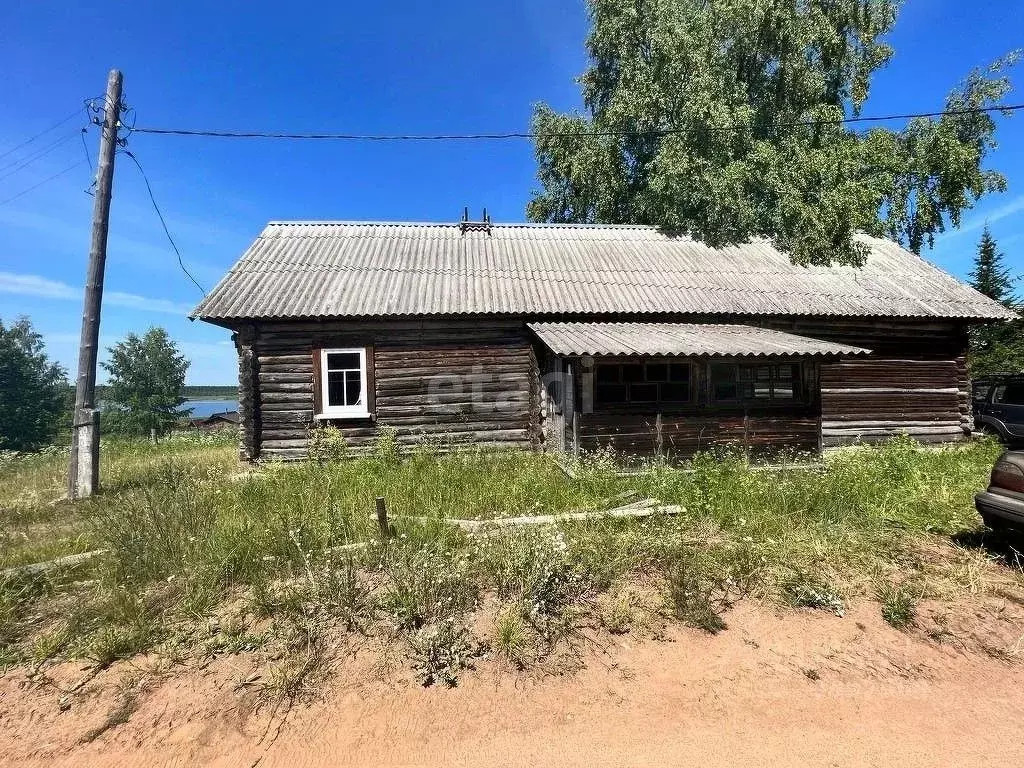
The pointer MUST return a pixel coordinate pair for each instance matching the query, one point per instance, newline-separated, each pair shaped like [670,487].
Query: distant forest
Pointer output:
[210,393]
[192,393]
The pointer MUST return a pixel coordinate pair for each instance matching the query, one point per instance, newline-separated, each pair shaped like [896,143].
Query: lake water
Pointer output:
[204,408]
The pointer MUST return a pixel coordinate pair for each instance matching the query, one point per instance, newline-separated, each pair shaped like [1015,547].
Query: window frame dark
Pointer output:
[659,403]
[738,381]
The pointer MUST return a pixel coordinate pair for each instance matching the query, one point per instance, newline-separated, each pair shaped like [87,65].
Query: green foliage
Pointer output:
[995,347]
[990,275]
[33,390]
[717,119]
[210,392]
[426,582]
[898,605]
[808,591]
[326,444]
[147,377]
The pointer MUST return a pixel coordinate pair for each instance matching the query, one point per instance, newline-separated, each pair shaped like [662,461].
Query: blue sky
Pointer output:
[398,66]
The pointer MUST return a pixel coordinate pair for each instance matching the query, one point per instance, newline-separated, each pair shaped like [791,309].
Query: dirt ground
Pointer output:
[777,688]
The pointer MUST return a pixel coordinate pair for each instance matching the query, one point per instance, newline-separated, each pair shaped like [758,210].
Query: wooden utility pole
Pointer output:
[84,468]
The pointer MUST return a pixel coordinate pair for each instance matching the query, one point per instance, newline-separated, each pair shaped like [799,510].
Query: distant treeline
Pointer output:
[192,393]
[210,393]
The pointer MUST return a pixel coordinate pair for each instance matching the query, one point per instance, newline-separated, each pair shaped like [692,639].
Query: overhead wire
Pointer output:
[41,183]
[163,222]
[31,139]
[238,134]
[13,167]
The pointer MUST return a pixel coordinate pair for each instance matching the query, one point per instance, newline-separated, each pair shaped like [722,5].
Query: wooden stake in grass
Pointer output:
[382,519]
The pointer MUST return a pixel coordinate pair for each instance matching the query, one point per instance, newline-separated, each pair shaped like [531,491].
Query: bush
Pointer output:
[327,444]
[426,580]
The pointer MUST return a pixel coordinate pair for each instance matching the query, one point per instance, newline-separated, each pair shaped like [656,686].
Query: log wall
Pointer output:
[916,382]
[922,355]
[433,380]
[680,436]
[870,400]
[477,380]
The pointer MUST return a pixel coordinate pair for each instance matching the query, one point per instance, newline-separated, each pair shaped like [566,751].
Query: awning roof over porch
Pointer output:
[684,339]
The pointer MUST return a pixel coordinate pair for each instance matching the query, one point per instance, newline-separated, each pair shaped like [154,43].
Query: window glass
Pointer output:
[610,394]
[1013,393]
[723,381]
[981,392]
[353,388]
[731,382]
[338,361]
[343,376]
[675,392]
[633,372]
[657,371]
[643,393]
[783,391]
[646,382]
[679,371]
[336,388]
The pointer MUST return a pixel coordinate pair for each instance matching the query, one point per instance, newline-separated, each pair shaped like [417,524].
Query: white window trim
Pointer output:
[327,411]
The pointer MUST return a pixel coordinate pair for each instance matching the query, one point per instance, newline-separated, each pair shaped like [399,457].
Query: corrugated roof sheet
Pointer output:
[333,269]
[690,339]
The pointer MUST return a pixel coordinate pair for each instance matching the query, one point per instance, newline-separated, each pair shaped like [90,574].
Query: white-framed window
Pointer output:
[343,383]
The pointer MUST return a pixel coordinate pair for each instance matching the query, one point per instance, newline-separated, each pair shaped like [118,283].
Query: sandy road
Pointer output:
[797,689]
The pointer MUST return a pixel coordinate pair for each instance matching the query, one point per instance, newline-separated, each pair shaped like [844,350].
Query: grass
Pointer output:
[898,605]
[206,556]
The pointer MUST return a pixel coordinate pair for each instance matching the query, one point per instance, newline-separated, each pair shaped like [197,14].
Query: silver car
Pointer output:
[1002,505]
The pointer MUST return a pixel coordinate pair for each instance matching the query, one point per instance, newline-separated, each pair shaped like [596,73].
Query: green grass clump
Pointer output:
[898,605]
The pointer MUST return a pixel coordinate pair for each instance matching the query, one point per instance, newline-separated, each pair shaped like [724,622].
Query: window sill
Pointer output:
[347,415]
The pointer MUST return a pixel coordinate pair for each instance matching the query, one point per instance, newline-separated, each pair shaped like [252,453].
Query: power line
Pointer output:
[53,127]
[13,167]
[163,223]
[534,135]
[44,181]
[88,162]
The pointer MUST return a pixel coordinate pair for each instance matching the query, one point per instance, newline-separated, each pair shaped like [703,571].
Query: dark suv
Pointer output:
[999,406]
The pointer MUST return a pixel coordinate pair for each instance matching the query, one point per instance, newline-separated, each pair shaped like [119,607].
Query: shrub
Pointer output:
[511,638]
[326,444]
[387,449]
[806,591]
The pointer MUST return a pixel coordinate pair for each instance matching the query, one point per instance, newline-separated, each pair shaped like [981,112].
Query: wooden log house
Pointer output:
[575,338]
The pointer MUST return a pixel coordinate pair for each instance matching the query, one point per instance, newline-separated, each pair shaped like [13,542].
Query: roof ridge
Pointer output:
[452,224]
